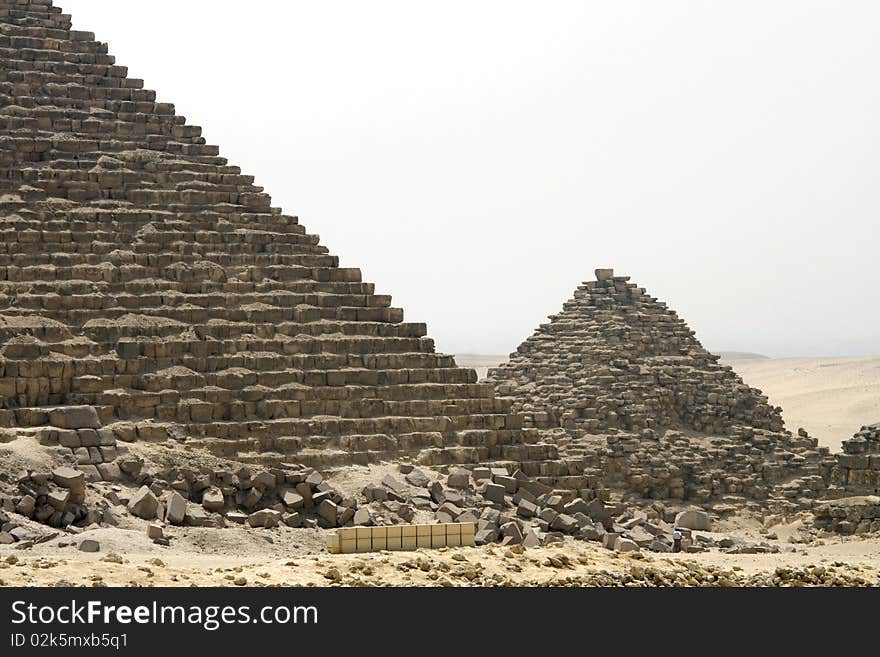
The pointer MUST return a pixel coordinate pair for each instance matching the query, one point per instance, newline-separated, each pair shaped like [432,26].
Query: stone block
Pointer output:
[74,417]
[143,504]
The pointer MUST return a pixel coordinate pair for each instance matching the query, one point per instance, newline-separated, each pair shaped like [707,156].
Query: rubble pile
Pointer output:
[618,380]
[857,470]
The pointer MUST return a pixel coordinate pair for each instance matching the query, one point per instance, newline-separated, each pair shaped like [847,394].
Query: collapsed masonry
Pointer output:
[619,380]
[858,468]
[144,276]
[856,477]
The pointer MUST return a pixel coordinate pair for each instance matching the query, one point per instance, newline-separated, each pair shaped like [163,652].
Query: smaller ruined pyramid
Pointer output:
[616,358]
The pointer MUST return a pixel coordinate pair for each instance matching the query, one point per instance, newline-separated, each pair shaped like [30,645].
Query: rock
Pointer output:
[175,511]
[109,472]
[564,523]
[265,481]
[486,535]
[481,474]
[58,498]
[451,510]
[526,509]
[266,518]
[495,493]
[577,505]
[693,519]
[68,438]
[510,484]
[394,484]
[374,493]
[23,534]
[609,540]
[72,480]
[590,533]
[548,515]
[213,500]
[292,499]
[530,539]
[640,536]
[625,545]
[154,531]
[88,438]
[131,466]
[144,504]
[418,478]
[467,516]
[109,517]
[26,506]
[458,478]
[362,517]
[294,519]
[346,515]
[512,534]
[248,498]
[75,417]
[89,545]
[198,517]
[437,493]
[597,511]
[328,511]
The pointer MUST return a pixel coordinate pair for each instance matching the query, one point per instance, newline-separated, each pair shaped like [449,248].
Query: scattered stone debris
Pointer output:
[89,545]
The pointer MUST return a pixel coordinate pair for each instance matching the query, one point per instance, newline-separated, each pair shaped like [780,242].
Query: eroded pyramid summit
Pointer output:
[617,358]
[619,380]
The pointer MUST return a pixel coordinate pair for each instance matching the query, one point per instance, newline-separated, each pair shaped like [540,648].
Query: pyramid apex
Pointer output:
[604,274]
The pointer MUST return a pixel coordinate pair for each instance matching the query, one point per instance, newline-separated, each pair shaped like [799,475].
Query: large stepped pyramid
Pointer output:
[143,275]
[618,379]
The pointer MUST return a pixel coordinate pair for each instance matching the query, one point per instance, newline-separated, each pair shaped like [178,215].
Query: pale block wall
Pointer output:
[400,537]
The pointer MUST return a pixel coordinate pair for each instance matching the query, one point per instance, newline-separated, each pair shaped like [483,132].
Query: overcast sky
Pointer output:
[478,160]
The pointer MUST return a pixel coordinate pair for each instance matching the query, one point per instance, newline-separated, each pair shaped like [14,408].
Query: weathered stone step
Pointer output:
[67,297]
[20,49]
[90,267]
[33,18]
[107,330]
[257,313]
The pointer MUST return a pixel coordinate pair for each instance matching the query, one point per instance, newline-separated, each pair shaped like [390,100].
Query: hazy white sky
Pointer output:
[477,160]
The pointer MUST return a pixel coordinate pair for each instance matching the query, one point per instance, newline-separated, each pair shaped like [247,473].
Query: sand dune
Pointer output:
[829,397]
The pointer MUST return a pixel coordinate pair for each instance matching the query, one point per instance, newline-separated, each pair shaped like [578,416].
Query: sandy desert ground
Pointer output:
[832,398]
[286,557]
